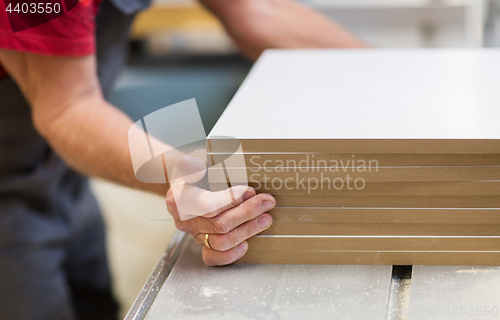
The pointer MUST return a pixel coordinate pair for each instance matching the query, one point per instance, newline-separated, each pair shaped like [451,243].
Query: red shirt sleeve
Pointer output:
[72,34]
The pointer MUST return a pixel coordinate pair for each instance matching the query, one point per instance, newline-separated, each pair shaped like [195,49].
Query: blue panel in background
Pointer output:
[144,89]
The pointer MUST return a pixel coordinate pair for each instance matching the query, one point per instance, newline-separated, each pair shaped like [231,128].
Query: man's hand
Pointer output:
[91,135]
[229,217]
[229,229]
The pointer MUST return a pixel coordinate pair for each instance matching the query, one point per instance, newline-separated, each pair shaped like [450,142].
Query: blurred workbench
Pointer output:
[170,15]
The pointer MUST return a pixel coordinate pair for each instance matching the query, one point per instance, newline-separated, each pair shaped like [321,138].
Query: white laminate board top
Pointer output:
[368,94]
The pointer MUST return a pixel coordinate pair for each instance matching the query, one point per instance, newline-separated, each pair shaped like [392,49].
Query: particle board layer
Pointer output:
[330,145]
[372,174]
[315,188]
[371,257]
[355,201]
[304,159]
[307,215]
[381,229]
[374,243]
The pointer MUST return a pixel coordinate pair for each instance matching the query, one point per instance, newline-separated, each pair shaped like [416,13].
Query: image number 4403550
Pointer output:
[26,14]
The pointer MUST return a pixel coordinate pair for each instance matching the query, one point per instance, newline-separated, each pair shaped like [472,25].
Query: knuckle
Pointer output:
[198,238]
[248,211]
[181,226]
[224,243]
[230,240]
[248,231]
[221,225]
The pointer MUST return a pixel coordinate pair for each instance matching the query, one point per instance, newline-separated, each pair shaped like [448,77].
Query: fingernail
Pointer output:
[263,222]
[266,205]
[247,195]
[242,247]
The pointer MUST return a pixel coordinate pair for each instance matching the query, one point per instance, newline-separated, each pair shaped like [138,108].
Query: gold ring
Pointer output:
[206,242]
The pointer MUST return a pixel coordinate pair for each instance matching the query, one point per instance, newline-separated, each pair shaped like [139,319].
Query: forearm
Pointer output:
[92,137]
[256,25]
[69,111]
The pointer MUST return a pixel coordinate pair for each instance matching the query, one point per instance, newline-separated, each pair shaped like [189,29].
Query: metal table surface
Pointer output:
[455,292]
[182,287]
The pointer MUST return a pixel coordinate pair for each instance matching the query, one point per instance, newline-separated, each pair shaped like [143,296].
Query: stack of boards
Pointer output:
[373,156]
